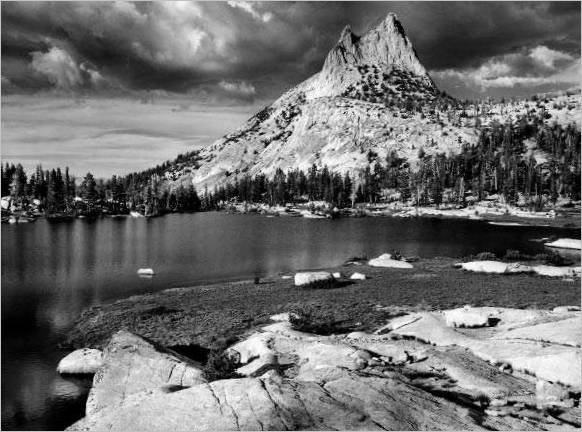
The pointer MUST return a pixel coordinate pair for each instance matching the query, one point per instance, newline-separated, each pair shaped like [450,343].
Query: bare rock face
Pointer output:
[355,382]
[132,365]
[542,343]
[347,403]
[386,47]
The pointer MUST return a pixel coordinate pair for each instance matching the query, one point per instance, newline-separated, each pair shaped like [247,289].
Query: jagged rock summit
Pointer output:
[371,97]
[385,47]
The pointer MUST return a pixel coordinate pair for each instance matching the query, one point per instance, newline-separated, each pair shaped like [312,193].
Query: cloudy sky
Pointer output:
[74,74]
[242,51]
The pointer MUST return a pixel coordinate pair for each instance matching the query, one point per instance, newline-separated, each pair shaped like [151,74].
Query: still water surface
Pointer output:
[50,272]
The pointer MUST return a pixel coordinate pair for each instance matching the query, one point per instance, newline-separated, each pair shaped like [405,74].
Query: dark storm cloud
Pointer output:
[247,50]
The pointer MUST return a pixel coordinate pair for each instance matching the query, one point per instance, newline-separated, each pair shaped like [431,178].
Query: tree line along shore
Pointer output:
[531,165]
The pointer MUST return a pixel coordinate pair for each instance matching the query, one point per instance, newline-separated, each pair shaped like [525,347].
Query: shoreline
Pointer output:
[207,315]
[491,212]
[563,219]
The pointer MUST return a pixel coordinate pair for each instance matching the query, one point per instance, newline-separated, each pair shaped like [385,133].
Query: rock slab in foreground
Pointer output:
[356,382]
[534,341]
[132,365]
[81,361]
[324,391]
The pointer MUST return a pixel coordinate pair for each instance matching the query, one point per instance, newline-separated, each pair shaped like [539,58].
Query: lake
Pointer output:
[50,272]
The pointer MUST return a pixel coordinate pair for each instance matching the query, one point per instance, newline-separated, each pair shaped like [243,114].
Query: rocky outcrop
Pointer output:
[359,381]
[385,47]
[133,365]
[81,361]
[537,342]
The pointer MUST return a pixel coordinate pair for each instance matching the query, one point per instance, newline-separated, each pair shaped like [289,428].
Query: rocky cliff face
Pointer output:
[385,48]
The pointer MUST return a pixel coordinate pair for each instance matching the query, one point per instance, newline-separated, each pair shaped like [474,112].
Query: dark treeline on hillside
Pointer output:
[502,162]
[53,193]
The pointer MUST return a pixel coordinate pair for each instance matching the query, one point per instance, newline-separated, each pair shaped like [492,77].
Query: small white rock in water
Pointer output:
[81,361]
[306,278]
[337,275]
[145,272]
[358,276]
[566,243]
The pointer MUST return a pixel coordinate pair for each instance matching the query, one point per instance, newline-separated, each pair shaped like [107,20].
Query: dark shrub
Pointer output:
[321,284]
[512,255]
[552,258]
[485,256]
[515,255]
[220,365]
[309,319]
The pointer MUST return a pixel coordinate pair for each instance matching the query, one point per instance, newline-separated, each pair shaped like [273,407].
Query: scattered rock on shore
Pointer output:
[358,276]
[553,271]
[307,278]
[81,361]
[466,317]
[498,267]
[386,260]
[565,243]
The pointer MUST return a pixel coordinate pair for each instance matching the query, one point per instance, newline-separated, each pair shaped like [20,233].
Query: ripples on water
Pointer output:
[50,272]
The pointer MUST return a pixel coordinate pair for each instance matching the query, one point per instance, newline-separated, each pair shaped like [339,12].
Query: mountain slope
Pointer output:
[372,96]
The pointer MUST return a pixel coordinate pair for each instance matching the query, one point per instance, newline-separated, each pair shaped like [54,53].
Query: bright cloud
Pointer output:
[241,88]
[250,9]
[538,66]
[63,71]
[189,46]
[548,57]
[58,67]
